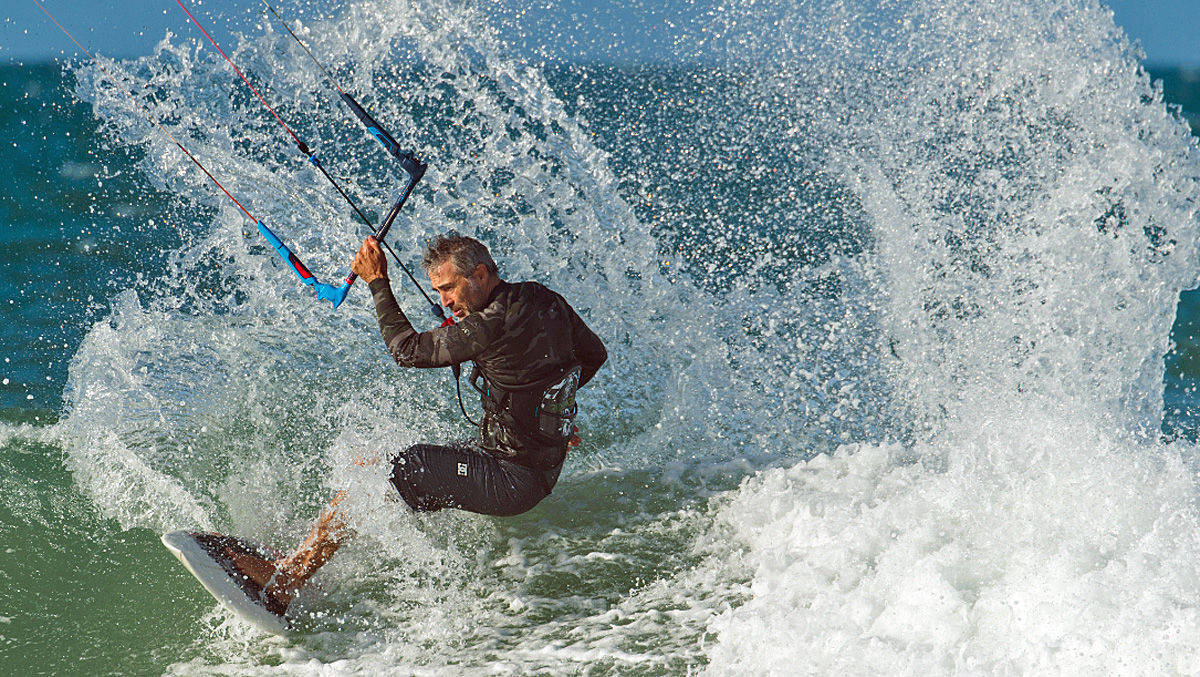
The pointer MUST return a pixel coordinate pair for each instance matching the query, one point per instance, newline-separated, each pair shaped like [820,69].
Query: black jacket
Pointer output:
[525,338]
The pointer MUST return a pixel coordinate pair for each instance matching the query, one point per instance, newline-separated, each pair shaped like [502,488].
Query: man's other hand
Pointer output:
[369,263]
[573,440]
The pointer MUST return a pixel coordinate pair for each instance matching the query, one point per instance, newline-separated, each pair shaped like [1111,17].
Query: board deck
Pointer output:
[206,556]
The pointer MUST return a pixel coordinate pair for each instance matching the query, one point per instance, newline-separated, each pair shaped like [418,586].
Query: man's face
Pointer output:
[461,294]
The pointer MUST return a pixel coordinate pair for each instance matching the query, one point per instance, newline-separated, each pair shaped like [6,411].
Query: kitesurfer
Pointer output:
[530,351]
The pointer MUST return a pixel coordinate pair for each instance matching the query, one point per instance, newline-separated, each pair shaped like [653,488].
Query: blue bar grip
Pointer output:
[326,292]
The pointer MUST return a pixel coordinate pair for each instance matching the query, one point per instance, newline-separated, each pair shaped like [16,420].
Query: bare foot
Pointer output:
[264,573]
[283,586]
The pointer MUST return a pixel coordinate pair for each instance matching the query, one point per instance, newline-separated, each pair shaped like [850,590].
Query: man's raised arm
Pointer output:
[440,347]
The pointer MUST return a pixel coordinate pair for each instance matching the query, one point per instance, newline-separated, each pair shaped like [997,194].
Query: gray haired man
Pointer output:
[530,352]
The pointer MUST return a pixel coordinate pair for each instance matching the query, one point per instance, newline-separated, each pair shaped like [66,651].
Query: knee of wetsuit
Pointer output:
[405,466]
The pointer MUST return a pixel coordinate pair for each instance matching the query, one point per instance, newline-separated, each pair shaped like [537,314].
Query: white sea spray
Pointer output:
[1009,214]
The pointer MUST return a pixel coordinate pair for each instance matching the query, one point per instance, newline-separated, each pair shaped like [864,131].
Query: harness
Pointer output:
[529,425]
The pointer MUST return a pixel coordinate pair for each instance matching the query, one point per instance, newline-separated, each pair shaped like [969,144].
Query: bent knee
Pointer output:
[407,467]
[411,460]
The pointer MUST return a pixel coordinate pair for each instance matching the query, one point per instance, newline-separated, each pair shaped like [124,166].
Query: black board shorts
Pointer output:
[432,476]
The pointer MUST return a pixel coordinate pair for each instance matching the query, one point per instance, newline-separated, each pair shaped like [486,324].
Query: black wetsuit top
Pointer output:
[525,338]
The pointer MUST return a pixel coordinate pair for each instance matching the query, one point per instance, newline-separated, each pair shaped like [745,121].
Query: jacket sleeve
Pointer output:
[589,349]
[440,347]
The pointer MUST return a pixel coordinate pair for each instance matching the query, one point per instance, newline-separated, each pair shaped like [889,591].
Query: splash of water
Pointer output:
[1032,214]
[972,227]
[219,394]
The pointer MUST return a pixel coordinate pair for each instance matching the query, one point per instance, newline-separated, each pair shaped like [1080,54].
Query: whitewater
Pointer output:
[886,286]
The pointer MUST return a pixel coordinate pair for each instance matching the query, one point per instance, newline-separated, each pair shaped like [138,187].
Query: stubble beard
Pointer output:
[474,297]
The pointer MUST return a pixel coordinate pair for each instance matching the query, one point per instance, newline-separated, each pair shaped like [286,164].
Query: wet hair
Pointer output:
[464,252]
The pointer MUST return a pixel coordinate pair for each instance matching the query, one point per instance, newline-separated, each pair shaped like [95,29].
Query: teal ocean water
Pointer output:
[903,370]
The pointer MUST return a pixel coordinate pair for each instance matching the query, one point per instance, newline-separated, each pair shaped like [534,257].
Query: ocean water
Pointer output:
[902,369]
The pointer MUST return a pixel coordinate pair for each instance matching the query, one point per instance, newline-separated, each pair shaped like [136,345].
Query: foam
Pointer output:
[1039,549]
[1028,200]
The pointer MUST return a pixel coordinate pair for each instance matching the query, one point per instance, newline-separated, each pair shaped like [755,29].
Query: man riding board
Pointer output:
[530,350]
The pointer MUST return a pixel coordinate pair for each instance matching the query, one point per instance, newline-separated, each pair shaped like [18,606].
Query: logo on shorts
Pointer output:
[462,469]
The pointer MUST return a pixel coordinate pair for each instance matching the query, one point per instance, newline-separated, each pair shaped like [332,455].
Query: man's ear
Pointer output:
[480,273]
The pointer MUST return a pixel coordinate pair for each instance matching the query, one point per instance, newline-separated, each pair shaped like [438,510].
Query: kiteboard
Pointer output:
[208,556]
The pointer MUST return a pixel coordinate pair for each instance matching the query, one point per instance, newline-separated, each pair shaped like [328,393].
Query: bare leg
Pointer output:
[328,535]
[284,577]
